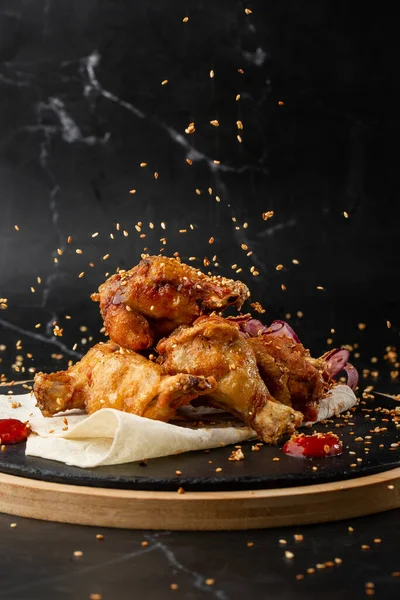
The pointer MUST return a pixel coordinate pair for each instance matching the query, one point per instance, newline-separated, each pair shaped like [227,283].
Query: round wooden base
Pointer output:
[207,511]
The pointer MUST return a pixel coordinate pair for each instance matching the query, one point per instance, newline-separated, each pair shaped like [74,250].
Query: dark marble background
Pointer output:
[82,105]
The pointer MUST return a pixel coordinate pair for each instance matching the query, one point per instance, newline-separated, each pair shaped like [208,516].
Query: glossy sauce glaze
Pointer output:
[313,446]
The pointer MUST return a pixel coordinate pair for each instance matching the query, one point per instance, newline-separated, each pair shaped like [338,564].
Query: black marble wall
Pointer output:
[92,89]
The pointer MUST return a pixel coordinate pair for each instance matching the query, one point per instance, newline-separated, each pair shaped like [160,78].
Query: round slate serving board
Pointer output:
[255,492]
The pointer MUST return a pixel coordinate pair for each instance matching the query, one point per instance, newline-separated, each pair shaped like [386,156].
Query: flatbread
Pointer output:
[111,437]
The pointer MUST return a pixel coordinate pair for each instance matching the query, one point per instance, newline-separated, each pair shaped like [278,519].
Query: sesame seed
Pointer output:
[248,11]
[99,536]
[289,554]
[212,74]
[237,97]
[210,581]
[13,525]
[164,82]
[78,553]
[81,274]
[181,490]
[174,586]
[215,123]
[143,164]
[144,544]
[185,19]
[345,214]
[283,542]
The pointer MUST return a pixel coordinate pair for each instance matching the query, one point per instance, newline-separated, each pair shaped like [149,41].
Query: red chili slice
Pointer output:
[13,431]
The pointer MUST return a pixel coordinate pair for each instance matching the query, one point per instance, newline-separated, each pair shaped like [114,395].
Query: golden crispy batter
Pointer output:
[108,377]
[159,294]
[289,372]
[214,346]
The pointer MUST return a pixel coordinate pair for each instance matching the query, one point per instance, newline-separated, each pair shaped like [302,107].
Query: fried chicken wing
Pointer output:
[290,373]
[213,346]
[148,302]
[108,377]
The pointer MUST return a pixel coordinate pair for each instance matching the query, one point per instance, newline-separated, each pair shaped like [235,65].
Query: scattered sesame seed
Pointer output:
[99,536]
[144,544]
[210,581]
[248,11]
[164,82]
[13,525]
[289,554]
[174,586]
[250,544]
[185,19]
[78,553]
[181,490]
[212,74]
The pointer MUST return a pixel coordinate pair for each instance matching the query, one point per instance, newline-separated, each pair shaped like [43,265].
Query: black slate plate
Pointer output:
[257,471]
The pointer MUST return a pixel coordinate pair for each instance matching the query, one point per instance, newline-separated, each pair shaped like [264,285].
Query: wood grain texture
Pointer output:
[200,510]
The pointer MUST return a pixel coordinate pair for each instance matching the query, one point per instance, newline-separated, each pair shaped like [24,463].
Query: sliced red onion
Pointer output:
[282,328]
[352,375]
[254,327]
[335,361]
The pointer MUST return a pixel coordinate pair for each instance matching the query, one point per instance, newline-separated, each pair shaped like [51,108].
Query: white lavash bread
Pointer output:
[110,437]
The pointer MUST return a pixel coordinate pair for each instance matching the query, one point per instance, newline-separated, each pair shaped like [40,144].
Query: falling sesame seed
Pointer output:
[210,581]
[106,256]
[350,529]
[289,554]
[59,251]
[267,215]
[189,162]
[345,214]
[388,324]
[237,97]
[163,226]
[78,251]
[174,586]
[181,490]
[239,139]
[164,82]
[132,191]
[185,19]
[16,227]
[283,542]
[38,325]
[78,553]
[13,525]
[99,536]
[279,267]
[248,11]
[81,274]
[218,470]
[361,326]
[298,537]
[69,239]
[144,544]
[300,576]
[241,71]
[377,540]
[38,279]
[190,128]
[280,103]
[95,597]
[319,287]
[217,162]
[212,74]
[214,122]
[250,544]
[33,290]
[143,164]
[390,487]
[365,547]
[295,261]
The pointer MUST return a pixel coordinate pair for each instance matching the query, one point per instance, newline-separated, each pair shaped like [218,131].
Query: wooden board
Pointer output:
[251,509]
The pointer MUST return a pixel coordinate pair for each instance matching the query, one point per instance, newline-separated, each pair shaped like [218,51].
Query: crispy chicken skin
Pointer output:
[290,373]
[214,347]
[109,377]
[148,302]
